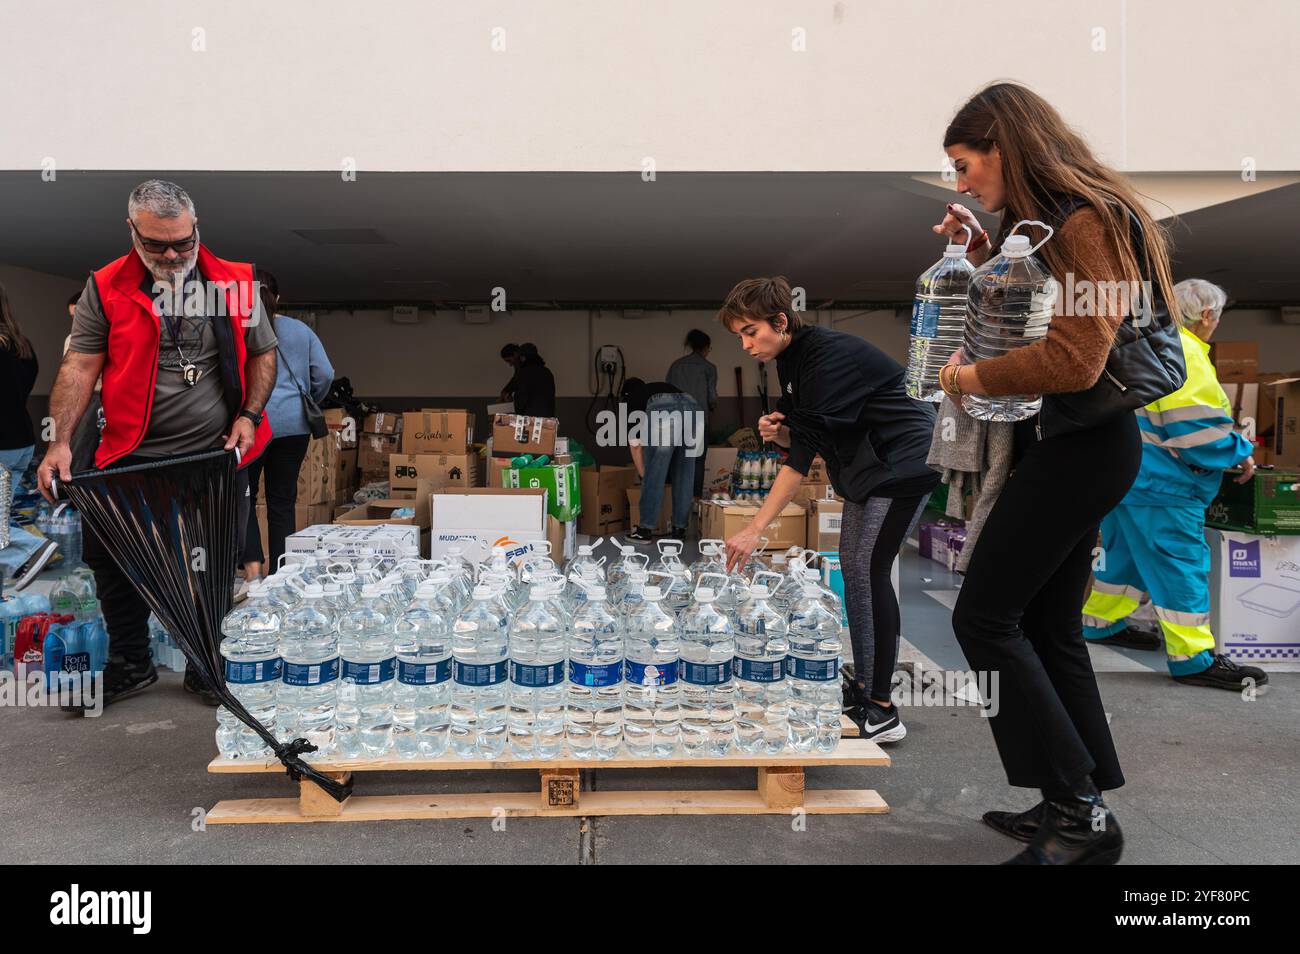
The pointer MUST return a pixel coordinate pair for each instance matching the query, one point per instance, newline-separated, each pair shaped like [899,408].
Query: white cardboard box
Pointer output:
[479,518]
[1255,595]
[386,539]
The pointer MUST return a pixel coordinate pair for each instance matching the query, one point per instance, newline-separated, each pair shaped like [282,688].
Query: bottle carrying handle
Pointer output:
[970,236]
[704,576]
[1050,232]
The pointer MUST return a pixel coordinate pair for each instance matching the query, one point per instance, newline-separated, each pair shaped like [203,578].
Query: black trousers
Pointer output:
[1019,614]
[279,463]
[126,614]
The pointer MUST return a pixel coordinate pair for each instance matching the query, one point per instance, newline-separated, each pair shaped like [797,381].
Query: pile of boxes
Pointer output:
[942,541]
[381,437]
[1266,406]
[437,446]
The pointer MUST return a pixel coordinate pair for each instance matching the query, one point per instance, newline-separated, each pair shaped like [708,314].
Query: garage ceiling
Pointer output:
[571,238]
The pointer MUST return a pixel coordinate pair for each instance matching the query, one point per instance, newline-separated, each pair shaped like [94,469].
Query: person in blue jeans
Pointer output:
[26,553]
[673,437]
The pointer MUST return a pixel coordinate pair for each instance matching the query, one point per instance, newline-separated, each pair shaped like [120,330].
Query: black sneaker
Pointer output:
[1131,638]
[24,575]
[878,724]
[679,533]
[118,682]
[195,686]
[1225,674]
[641,535]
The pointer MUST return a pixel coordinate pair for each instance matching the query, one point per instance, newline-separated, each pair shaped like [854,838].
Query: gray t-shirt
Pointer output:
[184,419]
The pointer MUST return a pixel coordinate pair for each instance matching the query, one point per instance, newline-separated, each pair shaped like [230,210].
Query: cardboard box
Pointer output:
[328,475]
[1255,595]
[745,439]
[405,471]
[383,422]
[604,499]
[386,540]
[824,517]
[665,509]
[1269,503]
[373,452]
[807,493]
[816,472]
[1235,360]
[721,521]
[514,434]
[1243,397]
[561,480]
[719,462]
[1278,422]
[479,518]
[375,512]
[437,431]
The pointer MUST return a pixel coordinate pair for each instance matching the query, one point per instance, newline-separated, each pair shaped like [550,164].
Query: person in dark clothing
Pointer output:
[843,398]
[697,376]
[510,355]
[26,553]
[1019,612]
[534,384]
[674,427]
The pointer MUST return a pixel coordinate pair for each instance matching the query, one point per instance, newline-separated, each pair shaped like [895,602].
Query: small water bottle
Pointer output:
[938,320]
[1010,304]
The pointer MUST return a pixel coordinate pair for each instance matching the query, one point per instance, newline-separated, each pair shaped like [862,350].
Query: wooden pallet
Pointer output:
[779,790]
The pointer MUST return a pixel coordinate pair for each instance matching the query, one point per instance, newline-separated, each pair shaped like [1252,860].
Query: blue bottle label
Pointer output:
[484,675]
[76,662]
[706,674]
[311,674]
[925,319]
[606,674]
[245,673]
[650,674]
[370,673]
[812,670]
[760,670]
[536,677]
[423,674]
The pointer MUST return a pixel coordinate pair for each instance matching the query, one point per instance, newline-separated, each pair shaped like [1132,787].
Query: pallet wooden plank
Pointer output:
[848,728]
[314,800]
[848,752]
[560,788]
[526,804]
[781,786]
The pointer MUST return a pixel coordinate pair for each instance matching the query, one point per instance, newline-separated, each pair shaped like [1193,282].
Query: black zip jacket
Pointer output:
[843,398]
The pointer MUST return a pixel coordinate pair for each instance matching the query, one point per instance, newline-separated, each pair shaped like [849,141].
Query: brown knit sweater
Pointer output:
[1071,356]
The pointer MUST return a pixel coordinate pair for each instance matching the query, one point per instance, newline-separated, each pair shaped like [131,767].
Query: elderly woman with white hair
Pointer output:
[1153,542]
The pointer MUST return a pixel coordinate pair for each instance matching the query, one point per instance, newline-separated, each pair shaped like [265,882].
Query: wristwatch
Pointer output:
[255,416]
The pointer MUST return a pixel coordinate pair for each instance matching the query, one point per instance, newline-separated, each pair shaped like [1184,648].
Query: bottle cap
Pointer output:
[705,594]
[652,593]
[759,591]
[1016,246]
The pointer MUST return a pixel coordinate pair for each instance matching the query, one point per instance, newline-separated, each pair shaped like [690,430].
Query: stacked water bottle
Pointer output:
[373,659]
[752,476]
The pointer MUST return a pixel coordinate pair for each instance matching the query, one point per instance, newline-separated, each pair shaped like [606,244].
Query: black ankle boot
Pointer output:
[1077,829]
[1022,826]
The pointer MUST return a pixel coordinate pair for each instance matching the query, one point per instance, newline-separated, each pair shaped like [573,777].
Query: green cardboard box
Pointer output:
[564,502]
[1267,504]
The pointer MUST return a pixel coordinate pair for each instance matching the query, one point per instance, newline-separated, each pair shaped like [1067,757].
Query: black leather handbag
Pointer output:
[1145,364]
[310,409]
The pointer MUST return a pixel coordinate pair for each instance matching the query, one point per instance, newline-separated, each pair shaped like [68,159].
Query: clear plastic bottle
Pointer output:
[652,697]
[309,680]
[594,715]
[708,649]
[537,692]
[250,647]
[1011,301]
[364,720]
[938,321]
[422,696]
[813,673]
[762,705]
[479,692]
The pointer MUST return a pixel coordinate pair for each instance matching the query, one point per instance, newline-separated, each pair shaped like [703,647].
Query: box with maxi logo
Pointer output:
[514,434]
[437,431]
[1255,595]
[475,519]
[561,480]
[385,540]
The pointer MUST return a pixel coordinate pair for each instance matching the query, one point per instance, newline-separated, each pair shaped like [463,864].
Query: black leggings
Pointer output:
[280,462]
[871,535]
[1019,614]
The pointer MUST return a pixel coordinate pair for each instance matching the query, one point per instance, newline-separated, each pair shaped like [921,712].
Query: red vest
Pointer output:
[131,358]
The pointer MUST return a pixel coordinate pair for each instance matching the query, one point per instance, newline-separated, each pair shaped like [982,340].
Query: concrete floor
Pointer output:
[1211,778]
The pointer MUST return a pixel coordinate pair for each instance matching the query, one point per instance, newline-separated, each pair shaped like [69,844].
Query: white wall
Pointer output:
[1160,85]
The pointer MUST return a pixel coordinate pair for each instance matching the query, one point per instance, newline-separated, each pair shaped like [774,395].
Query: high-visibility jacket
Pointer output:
[131,361]
[1188,438]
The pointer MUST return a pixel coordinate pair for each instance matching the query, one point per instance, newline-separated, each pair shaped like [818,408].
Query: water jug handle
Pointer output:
[1050,232]
[969,235]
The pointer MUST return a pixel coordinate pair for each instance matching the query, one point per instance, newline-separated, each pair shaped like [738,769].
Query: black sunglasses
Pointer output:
[156,247]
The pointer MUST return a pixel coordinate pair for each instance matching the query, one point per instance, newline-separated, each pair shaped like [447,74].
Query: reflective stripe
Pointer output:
[1097,622]
[1177,415]
[1206,435]
[1178,618]
[1118,589]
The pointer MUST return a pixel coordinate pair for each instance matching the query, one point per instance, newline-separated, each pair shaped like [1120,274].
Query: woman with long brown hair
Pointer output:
[1018,614]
